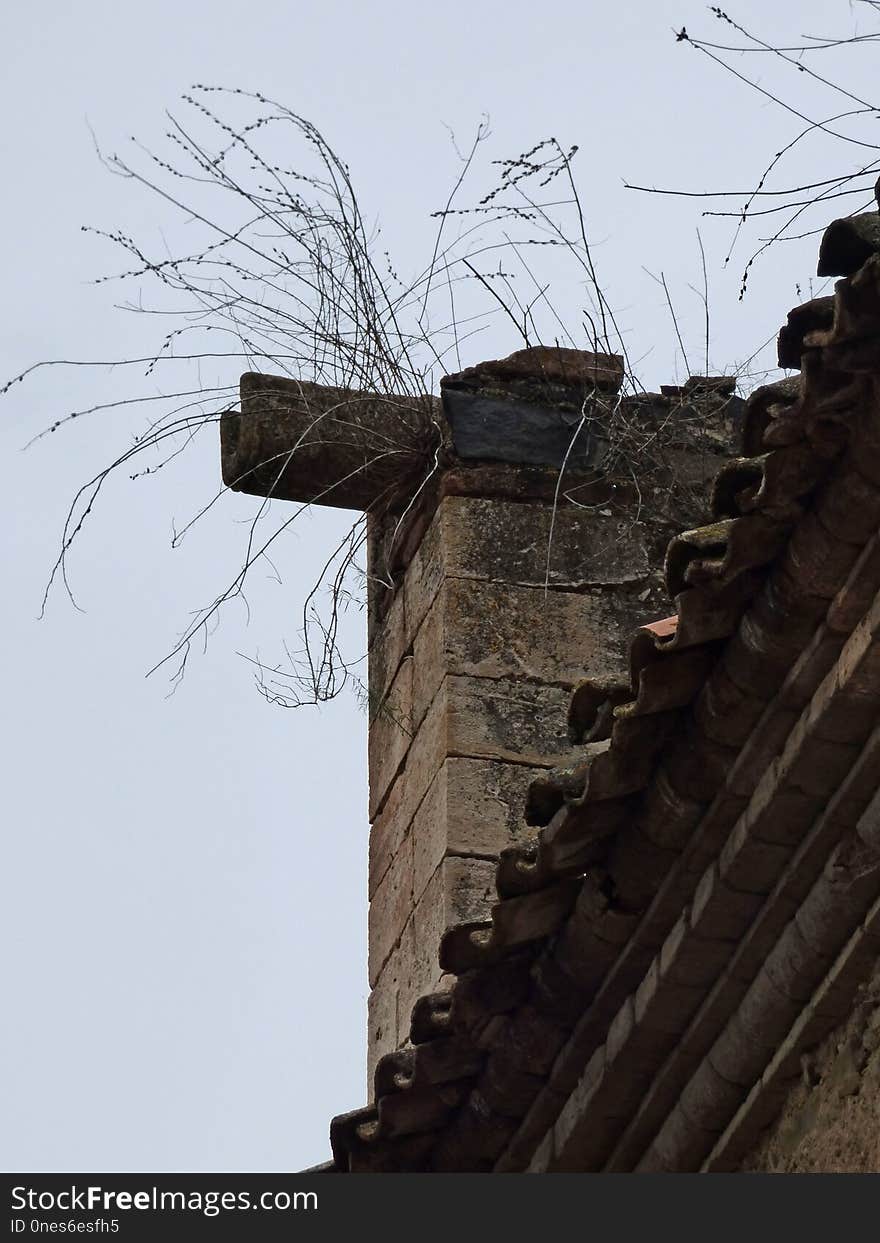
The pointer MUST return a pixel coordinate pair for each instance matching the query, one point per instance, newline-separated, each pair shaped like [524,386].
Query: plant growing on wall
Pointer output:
[282,273]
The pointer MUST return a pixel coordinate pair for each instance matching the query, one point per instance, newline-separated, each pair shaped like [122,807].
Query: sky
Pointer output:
[184,880]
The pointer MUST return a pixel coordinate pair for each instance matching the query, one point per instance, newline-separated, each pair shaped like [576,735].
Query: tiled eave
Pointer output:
[699,902]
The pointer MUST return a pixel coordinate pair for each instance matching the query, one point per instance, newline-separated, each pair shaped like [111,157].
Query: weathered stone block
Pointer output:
[522,542]
[428,750]
[473,807]
[505,719]
[386,834]
[430,657]
[430,831]
[526,543]
[494,630]
[460,890]
[390,908]
[382,1007]
[296,440]
[425,573]
[388,646]
[390,733]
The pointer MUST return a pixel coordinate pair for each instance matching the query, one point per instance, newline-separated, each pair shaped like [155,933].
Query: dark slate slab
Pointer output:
[505,430]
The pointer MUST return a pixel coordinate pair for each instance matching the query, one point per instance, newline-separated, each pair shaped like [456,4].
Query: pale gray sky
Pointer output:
[184,880]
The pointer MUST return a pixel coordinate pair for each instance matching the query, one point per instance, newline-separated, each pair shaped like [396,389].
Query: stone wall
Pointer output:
[472,664]
[516,531]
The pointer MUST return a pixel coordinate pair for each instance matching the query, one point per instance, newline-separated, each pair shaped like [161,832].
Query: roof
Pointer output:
[701,897]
